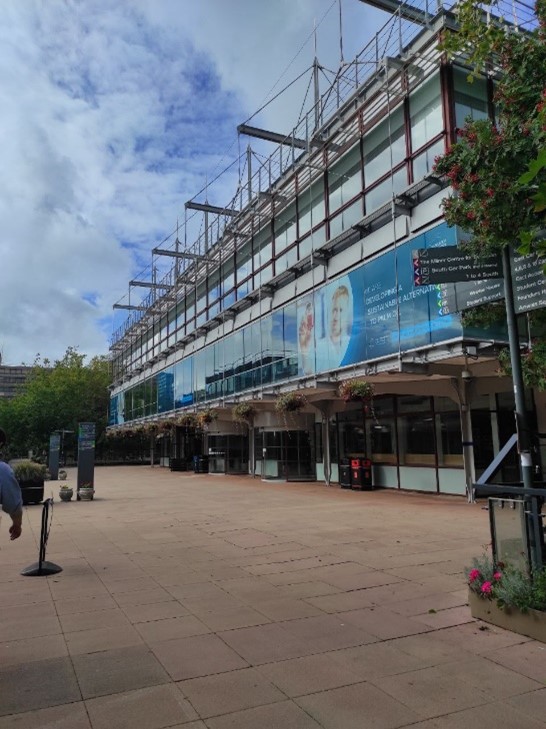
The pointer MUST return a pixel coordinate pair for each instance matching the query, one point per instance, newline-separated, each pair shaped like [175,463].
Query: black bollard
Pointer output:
[42,567]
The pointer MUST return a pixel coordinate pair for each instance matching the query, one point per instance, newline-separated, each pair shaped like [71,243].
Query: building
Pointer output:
[306,279]
[12,379]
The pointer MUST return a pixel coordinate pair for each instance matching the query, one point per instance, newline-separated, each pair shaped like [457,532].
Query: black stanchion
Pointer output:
[42,567]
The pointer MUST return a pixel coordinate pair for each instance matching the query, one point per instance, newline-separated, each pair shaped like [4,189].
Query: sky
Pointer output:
[114,114]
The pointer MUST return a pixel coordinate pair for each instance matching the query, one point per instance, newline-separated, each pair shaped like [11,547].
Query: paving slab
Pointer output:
[189,600]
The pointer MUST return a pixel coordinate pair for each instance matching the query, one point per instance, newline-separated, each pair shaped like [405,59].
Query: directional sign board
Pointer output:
[529,283]
[462,296]
[448,264]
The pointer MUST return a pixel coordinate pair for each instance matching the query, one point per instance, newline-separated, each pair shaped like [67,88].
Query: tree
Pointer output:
[498,168]
[57,397]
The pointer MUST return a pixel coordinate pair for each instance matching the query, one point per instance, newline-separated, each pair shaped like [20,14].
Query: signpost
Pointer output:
[520,281]
[54,450]
[86,455]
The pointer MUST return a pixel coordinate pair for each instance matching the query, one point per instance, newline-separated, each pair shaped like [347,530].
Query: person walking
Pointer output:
[10,494]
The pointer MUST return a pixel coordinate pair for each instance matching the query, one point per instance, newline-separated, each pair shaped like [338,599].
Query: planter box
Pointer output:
[32,491]
[531,624]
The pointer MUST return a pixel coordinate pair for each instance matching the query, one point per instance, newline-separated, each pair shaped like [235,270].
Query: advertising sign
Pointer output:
[374,311]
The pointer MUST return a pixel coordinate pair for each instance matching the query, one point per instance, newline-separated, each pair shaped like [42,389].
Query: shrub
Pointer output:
[29,471]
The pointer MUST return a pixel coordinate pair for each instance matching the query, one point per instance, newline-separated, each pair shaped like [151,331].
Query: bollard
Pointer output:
[42,567]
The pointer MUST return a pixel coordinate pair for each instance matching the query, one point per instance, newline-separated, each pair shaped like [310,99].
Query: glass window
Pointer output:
[426,120]
[183,383]
[382,430]
[228,276]
[311,209]
[346,219]
[199,375]
[424,162]
[244,261]
[285,228]
[165,390]
[416,431]
[214,286]
[262,247]
[202,296]
[470,98]
[384,147]
[383,192]
[344,179]
[286,260]
[352,435]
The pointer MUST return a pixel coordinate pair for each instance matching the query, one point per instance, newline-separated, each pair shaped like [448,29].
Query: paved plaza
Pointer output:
[203,601]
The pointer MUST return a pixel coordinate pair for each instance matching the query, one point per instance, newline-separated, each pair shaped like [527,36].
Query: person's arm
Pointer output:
[12,500]
[17,527]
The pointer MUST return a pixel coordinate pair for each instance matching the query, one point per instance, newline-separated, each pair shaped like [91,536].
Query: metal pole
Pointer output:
[523,430]
[522,425]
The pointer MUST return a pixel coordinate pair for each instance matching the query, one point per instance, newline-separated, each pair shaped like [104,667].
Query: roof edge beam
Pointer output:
[179,254]
[288,139]
[206,208]
[406,11]
[148,285]
[130,307]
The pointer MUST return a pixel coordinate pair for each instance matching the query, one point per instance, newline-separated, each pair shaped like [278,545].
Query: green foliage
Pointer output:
[29,471]
[356,391]
[509,586]
[499,170]
[57,396]
[244,412]
[533,365]
[515,590]
[485,316]
[290,402]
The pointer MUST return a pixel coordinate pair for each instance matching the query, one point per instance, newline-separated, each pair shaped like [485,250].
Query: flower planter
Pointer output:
[86,494]
[32,491]
[531,623]
[66,494]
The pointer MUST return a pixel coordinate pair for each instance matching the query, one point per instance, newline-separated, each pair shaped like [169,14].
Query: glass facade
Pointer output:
[371,312]
[396,150]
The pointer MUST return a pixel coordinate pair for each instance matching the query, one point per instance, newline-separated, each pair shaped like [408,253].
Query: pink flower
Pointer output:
[487,588]
[473,575]
[497,576]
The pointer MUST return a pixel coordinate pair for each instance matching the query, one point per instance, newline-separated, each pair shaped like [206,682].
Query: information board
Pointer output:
[54,450]
[529,283]
[86,454]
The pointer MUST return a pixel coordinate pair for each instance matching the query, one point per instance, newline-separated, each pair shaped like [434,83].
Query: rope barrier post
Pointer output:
[42,567]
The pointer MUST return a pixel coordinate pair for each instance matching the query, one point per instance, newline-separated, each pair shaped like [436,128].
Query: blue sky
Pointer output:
[114,114]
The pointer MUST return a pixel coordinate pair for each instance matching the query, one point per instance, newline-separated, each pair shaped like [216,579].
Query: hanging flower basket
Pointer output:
[206,417]
[166,426]
[356,391]
[290,402]
[188,420]
[151,429]
[244,412]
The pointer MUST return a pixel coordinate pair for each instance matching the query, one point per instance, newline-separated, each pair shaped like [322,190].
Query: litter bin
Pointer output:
[177,464]
[345,473]
[361,474]
[201,464]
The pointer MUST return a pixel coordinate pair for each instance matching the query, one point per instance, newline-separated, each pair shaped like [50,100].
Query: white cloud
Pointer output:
[113,115]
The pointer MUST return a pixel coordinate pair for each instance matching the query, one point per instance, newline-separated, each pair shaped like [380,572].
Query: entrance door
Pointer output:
[287,455]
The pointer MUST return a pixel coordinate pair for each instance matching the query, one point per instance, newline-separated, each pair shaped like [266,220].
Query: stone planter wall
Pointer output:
[531,624]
